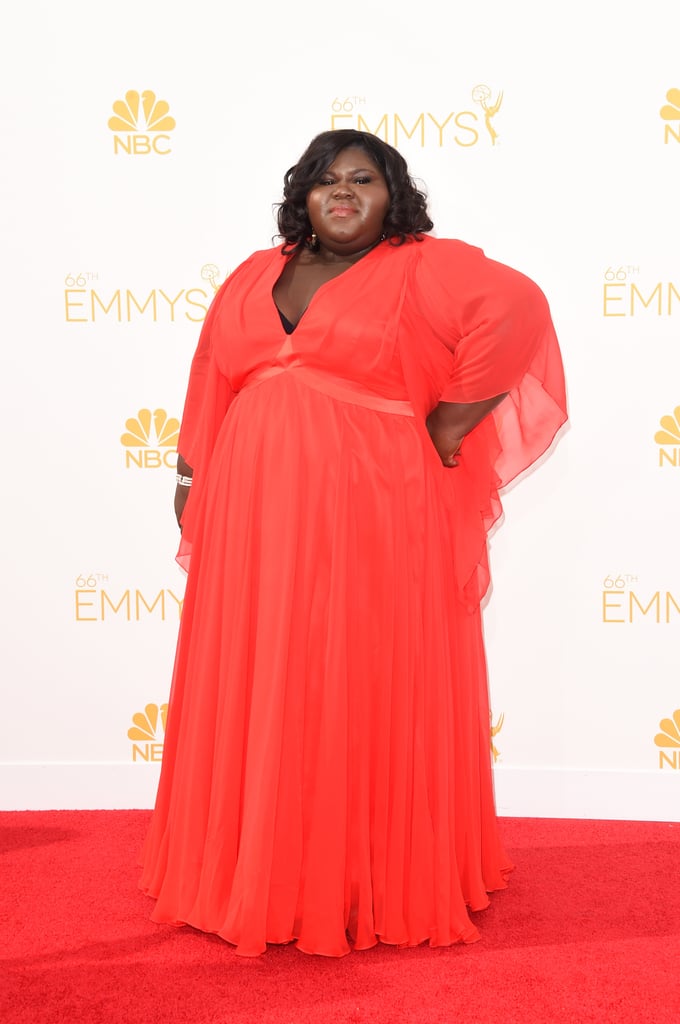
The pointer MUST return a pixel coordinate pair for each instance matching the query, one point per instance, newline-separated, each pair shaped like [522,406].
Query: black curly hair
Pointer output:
[407,216]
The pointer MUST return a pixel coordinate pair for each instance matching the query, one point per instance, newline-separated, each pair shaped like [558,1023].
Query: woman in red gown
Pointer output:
[326,775]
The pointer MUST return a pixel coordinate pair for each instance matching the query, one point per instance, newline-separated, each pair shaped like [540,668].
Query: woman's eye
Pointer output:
[362,180]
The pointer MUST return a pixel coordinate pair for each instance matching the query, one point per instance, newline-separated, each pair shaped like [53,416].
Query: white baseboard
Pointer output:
[520,792]
[563,793]
[108,785]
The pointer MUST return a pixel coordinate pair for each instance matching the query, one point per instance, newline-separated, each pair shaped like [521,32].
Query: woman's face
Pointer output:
[348,205]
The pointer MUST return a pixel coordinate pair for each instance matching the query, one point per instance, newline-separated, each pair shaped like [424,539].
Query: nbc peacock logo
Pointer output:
[150,440]
[140,124]
[669,740]
[148,732]
[669,112]
[668,439]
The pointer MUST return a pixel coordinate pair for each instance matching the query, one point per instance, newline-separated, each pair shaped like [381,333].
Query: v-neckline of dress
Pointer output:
[321,287]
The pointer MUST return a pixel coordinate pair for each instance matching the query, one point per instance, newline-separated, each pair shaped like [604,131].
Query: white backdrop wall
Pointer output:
[565,164]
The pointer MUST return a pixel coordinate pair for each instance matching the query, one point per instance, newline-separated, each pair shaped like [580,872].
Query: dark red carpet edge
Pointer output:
[589,930]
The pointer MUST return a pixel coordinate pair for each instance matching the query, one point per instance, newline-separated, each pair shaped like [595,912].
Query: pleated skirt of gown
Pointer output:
[326,775]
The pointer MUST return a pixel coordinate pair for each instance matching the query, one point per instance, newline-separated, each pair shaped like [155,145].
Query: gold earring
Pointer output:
[313,239]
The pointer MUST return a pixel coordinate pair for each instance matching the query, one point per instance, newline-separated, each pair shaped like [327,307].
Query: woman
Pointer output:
[355,402]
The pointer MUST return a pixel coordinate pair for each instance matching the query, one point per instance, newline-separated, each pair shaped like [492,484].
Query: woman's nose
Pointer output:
[342,188]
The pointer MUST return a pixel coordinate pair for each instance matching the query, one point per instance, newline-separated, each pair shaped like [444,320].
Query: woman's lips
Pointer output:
[342,211]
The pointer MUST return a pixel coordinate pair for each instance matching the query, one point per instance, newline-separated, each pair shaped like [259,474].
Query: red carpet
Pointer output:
[589,930]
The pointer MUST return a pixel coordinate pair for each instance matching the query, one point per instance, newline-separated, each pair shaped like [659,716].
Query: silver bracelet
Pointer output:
[183,481]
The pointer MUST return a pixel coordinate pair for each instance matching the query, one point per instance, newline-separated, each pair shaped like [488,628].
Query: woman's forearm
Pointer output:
[462,417]
[184,476]
[183,467]
[449,422]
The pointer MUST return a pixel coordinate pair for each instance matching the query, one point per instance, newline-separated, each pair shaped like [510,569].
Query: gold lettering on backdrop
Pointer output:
[399,126]
[81,603]
[608,298]
[135,457]
[132,606]
[634,290]
[362,126]
[172,302]
[409,134]
[608,605]
[203,306]
[659,299]
[341,117]
[124,601]
[69,302]
[440,127]
[123,305]
[671,457]
[655,601]
[132,301]
[627,607]
[140,600]
[672,291]
[180,601]
[116,299]
[150,458]
[149,752]
[141,145]
[423,127]
[122,144]
[467,128]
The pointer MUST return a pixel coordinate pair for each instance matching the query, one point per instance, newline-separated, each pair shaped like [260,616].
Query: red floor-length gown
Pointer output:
[326,771]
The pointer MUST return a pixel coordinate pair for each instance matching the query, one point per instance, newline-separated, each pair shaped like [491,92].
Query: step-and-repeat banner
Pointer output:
[144,150]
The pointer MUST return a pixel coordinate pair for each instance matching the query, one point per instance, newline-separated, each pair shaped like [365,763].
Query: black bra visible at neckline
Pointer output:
[287,325]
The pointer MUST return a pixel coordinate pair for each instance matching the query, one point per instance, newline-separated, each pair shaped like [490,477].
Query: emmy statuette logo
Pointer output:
[482,94]
[211,273]
[495,729]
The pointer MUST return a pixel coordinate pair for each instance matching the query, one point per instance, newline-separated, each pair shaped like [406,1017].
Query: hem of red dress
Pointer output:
[467,936]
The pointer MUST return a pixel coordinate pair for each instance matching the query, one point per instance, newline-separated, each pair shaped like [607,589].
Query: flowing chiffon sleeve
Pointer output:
[497,324]
[208,398]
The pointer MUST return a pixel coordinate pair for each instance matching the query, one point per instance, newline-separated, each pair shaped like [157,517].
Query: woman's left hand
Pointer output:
[449,422]
[446,439]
